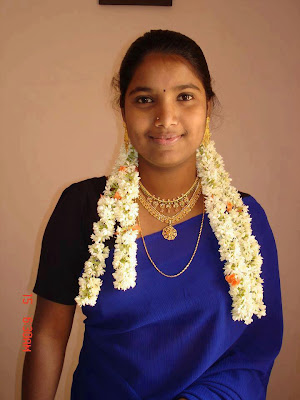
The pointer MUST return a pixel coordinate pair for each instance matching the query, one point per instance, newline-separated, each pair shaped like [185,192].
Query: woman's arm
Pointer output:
[43,365]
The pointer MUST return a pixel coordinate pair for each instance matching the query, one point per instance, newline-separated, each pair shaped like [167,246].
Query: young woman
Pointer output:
[179,280]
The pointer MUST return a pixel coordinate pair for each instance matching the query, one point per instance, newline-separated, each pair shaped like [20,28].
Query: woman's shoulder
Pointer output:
[90,184]
[254,206]
[82,195]
[243,194]
[90,188]
[252,203]
[259,220]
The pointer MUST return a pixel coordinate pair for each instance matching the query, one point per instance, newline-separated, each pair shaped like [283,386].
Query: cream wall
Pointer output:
[57,59]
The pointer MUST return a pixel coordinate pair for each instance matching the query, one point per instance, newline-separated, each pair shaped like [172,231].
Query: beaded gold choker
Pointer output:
[162,204]
[169,232]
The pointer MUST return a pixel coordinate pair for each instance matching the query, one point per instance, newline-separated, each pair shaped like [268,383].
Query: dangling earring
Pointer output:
[126,138]
[206,136]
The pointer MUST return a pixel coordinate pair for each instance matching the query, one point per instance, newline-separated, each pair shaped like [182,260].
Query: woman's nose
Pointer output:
[165,115]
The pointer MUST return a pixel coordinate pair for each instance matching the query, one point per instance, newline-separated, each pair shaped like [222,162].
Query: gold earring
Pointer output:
[206,136]
[126,137]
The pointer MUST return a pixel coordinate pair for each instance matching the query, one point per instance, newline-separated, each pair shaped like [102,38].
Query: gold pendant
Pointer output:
[169,232]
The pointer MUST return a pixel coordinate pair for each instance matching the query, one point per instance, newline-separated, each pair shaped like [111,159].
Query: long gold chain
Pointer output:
[177,202]
[191,259]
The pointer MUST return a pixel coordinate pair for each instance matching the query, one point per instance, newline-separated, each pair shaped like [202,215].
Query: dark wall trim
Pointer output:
[136,2]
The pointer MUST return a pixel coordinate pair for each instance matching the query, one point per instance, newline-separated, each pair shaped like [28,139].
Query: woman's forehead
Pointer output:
[166,69]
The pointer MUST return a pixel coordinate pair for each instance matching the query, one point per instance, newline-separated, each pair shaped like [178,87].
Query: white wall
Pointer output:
[57,59]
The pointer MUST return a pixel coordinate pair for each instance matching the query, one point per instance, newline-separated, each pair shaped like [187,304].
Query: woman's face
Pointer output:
[166,87]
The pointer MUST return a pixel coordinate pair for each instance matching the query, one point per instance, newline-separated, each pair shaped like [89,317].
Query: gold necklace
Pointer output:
[169,232]
[177,202]
[191,259]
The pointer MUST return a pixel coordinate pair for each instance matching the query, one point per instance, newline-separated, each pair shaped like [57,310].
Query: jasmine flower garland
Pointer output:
[117,204]
[228,216]
[231,224]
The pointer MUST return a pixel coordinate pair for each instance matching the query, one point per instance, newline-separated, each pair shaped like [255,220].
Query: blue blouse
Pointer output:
[168,338]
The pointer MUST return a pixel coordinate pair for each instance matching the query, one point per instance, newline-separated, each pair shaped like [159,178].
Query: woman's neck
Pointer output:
[167,183]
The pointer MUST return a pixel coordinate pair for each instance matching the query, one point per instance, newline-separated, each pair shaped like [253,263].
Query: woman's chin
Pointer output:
[164,161]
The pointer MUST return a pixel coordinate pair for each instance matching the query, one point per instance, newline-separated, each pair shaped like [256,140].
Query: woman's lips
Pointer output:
[165,140]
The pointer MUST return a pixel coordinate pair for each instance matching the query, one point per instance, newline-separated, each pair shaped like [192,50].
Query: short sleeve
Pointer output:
[63,250]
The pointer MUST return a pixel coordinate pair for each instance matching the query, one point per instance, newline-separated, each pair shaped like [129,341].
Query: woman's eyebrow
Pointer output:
[140,89]
[149,90]
[188,86]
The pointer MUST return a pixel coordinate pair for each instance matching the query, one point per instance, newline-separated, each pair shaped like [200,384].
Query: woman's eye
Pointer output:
[186,96]
[141,100]
[146,100]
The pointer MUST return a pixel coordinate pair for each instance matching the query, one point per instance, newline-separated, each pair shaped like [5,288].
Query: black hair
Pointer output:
[165,42]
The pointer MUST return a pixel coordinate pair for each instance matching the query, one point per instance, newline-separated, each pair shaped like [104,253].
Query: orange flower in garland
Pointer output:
[117,196]
[136,227]
[229,206]
[232,280]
